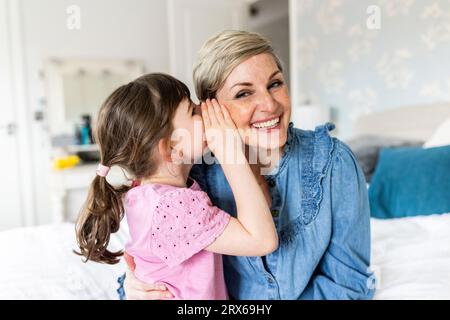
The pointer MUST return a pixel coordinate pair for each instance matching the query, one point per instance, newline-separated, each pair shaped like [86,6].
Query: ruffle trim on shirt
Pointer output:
[316,148]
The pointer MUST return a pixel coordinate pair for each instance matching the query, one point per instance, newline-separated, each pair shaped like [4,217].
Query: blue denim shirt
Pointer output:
[321,211]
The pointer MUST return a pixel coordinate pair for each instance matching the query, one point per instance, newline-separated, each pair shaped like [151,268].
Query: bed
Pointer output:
[39,264]
[410,256]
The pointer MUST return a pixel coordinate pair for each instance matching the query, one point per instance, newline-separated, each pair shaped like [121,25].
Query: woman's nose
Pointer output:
[268,103]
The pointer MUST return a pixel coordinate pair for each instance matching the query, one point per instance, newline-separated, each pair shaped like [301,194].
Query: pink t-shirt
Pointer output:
[169,229]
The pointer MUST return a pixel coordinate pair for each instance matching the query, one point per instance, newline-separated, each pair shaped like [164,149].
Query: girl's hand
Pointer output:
[138,290]
[222,136]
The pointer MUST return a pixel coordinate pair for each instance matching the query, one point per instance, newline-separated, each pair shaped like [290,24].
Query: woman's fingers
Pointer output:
[151,286]
[137,289]
[150,295]
[157,295]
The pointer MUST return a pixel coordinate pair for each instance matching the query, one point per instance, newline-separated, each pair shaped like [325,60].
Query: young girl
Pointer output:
[176,234]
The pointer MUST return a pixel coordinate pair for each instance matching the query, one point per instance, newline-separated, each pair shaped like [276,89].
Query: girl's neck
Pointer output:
[177,176]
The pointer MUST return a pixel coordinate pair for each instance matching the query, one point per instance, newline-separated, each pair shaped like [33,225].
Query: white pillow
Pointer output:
[441,137]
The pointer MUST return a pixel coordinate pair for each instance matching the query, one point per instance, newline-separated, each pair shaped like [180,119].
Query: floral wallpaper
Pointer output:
[361,56]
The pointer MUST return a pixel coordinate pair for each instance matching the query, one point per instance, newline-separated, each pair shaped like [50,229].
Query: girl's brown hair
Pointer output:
[129,126]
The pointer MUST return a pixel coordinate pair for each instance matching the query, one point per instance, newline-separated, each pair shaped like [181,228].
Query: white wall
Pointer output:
[11,210]
[192,22]
[272,21]
[109,29]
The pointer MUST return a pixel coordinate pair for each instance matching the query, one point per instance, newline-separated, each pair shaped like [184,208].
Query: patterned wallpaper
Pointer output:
[361,56]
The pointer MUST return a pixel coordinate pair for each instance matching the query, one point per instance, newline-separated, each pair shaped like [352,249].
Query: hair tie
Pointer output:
[102,170]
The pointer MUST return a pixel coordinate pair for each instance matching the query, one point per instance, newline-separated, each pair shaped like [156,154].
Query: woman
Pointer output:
[315,188]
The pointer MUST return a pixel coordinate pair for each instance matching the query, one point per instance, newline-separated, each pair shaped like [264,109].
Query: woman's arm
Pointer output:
[131,288]
[343,272]
[253,233]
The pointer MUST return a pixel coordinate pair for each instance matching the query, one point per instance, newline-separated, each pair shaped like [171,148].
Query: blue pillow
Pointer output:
[411,181]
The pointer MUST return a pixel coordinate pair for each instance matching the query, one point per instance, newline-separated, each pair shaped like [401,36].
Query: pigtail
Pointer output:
[129,126]
[100,216]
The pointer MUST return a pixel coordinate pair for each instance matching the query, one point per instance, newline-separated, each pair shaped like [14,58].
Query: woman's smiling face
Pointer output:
[257,98]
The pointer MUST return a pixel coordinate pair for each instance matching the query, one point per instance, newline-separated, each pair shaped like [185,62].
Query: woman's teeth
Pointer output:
[268,124]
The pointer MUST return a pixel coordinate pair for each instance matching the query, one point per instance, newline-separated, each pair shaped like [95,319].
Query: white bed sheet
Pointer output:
[38,263]
[411,257]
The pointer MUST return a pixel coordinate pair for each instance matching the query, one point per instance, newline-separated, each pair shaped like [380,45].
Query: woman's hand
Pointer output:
[138,290]
[221,133]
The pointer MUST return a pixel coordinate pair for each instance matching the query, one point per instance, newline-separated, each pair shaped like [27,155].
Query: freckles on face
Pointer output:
[241,113]
[255,91]
[257,98]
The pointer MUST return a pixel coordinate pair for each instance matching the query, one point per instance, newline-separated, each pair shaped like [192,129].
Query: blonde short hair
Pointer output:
[221,54]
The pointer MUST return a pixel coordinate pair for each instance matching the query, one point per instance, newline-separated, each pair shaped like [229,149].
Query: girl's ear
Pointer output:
[164,150]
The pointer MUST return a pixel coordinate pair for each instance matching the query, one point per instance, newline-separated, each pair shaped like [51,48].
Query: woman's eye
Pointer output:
[276,84]
[242,94]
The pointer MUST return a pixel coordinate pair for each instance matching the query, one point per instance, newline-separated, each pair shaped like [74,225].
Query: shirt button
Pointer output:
[270,280]
[275,213]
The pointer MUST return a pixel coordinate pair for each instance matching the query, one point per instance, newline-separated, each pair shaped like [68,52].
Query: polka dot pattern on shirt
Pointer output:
[185,222]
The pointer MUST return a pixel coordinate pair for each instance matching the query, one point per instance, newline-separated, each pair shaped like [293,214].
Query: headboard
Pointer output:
[412,122]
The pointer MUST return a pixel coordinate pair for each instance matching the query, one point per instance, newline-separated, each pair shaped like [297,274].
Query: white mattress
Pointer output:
[38,263]
[411,258]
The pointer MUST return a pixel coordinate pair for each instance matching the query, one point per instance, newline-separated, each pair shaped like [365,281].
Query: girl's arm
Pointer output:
[253,233]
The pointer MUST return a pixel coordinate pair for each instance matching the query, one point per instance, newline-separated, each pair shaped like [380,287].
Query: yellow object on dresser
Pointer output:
[62,163]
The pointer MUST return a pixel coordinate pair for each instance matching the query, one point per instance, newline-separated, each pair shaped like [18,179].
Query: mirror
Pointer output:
[84,92]
[76,88]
